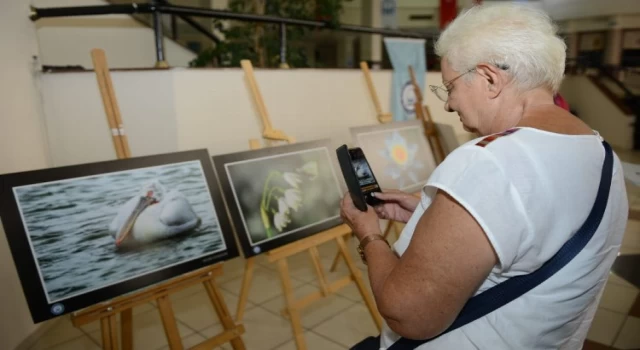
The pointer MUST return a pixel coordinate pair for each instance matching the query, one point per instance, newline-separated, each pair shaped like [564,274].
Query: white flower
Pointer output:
[310,169]
[282,206]
[292,179]
[280,220]
[293,198]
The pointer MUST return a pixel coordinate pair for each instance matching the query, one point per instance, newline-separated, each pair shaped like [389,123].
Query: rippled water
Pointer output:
[67,222]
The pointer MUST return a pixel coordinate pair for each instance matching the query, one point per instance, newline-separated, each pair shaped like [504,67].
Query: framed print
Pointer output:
[398,153]
[281,194]
[83,234]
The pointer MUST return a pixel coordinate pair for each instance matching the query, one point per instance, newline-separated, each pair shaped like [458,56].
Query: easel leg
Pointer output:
[169,323]
[294,315]
[223,313]
[126,329]
[355,274]
[109,333]
[244,290]
[322,278]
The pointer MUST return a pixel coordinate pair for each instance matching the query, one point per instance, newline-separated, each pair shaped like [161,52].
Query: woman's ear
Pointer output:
[493,78]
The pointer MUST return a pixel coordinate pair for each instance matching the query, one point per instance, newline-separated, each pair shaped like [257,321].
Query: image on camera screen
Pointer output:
[363,172]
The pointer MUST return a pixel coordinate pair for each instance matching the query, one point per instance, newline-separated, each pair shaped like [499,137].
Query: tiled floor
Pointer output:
[335,323]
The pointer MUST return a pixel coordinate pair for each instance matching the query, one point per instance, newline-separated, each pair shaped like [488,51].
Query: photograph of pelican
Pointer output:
[280,194]
[90,232]
[398,153]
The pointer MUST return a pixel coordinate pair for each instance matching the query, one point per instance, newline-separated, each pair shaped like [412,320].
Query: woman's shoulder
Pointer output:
[516,150]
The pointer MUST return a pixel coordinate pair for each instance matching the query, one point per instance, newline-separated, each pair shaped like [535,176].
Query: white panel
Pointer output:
[77,125]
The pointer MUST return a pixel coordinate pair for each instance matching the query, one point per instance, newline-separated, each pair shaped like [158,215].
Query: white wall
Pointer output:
[598,111]
[128,44]
[22,147]
[80,128]
[211,108]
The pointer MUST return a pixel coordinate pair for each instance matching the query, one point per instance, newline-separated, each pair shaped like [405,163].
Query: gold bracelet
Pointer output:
[367,240]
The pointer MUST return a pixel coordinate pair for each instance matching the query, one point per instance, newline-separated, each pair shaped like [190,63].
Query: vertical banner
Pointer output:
[404,53]
[448,11]
[389,10]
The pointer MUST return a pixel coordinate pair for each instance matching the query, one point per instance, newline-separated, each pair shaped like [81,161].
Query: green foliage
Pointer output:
[260,42]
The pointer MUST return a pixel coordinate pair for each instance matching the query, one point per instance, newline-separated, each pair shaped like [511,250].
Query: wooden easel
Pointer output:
[382,117]
[123,305]
[310,244]
[423,113]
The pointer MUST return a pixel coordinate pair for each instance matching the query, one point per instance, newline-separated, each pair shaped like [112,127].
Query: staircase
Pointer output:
[620,84]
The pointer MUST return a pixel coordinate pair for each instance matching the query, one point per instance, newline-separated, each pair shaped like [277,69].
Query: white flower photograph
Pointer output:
[283,194]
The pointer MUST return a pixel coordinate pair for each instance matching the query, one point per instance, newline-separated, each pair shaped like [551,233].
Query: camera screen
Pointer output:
[363,172]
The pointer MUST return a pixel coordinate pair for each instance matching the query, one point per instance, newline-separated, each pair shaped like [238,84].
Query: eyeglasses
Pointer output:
[443,90]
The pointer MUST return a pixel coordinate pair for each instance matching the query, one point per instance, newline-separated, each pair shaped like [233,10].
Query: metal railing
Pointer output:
[159,7]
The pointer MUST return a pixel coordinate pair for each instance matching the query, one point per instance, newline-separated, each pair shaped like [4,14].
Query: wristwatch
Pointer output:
[367,240]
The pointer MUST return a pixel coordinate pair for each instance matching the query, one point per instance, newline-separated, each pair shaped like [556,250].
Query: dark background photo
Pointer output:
[319,195]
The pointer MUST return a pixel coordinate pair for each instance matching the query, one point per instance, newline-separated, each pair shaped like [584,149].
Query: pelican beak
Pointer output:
[143,204]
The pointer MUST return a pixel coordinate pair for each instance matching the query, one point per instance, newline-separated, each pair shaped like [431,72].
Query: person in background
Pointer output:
[499,206]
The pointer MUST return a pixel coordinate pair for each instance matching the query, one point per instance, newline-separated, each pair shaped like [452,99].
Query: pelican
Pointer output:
[152,215]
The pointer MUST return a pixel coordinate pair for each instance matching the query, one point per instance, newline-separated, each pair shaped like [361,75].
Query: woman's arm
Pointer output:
[421,293]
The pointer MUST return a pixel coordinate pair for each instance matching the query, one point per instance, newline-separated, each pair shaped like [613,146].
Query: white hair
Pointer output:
[516,37]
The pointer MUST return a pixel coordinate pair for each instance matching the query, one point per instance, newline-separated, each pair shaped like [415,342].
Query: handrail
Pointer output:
[159,7]
[45,12]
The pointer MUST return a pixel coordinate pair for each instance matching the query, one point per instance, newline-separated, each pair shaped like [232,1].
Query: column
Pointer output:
[614,47]
[371,45]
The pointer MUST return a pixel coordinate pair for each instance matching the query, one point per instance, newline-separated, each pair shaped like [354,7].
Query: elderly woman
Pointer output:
[499,206]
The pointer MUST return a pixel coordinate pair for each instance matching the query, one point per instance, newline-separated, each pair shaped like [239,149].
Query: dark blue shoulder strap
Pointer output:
[505,292]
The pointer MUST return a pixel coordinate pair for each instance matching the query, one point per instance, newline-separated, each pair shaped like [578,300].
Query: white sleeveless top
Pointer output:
[530,191]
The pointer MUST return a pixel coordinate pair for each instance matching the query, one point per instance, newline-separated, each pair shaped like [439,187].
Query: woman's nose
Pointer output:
[446,107]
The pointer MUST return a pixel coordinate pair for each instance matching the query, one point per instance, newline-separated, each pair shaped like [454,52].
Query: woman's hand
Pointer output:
[398,206]
[362,223]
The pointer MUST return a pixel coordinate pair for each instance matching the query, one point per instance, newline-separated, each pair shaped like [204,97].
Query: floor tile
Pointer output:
[617,280]
[82,343]
[188,341]
[589,345]
[232,269]
[605,326]
[629,337]
[629,250]
[313,342]
[197,312]
[62,332]
[301,267]
[263,330]
[95,326]
[315,313]
[187,292]
[265,285]
[349,327]
[618,298]
[631,237]
[352,292]
[148,332]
